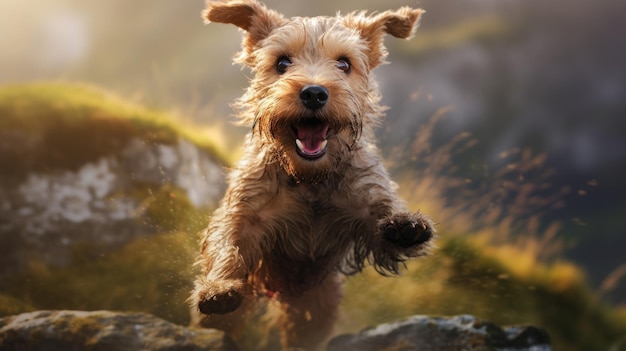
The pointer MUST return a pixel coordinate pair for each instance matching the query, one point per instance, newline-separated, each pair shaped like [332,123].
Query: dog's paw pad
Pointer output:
[407,229]
[221,303]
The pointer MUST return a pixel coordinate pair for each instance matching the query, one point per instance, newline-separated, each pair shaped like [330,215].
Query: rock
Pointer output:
[104,330]
[460,333]
[80,167]
[111,331]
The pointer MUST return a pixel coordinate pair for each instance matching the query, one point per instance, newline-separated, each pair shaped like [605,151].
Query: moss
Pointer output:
[81,328]
[167,208]
[151,274]
[48,127]
[10,305]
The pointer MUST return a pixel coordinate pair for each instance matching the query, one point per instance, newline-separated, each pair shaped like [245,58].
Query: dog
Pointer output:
[310,200]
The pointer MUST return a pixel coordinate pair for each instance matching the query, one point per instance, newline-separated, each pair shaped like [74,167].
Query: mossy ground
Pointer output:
[52,126]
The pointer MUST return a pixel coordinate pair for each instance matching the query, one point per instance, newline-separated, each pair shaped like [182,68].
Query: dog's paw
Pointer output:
[220,298]
[407,229]
[221,303]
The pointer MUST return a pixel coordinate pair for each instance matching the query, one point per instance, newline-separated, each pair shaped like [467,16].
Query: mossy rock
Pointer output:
[84,174]
[104,330]
[53,126]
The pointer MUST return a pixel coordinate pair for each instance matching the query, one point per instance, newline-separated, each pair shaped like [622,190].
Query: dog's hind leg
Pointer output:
[309,319]
[230,254]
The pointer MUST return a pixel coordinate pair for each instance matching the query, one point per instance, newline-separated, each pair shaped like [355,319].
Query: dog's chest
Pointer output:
[313,223]
[313,233]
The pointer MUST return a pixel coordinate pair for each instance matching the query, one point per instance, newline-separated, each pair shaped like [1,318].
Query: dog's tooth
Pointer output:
[324,143]
[300,146]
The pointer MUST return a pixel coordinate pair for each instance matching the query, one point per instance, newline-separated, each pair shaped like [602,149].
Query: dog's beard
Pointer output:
[309,146]
[302,169]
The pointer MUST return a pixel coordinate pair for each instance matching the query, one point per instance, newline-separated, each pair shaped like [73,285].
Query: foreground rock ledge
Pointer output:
[460,333]
[104,330]
[112,331]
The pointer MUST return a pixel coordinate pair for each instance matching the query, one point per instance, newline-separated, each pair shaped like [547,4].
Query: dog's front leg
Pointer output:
[398,233]
[231,250]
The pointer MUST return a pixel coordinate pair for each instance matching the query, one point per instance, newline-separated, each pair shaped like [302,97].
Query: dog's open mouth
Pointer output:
[311,137]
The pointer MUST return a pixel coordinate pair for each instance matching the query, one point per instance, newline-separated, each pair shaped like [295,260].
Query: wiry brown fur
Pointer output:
[288,226]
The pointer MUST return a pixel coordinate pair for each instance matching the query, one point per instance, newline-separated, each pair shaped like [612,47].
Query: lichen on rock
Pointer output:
[104,330]
[71,196]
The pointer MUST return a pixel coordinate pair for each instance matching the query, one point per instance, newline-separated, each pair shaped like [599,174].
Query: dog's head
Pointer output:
[312,96]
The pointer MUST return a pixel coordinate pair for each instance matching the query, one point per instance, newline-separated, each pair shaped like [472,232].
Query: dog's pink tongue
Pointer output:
[312,135]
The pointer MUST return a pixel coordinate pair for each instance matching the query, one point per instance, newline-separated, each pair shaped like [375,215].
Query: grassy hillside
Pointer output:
[466,276]
[500,255]
[479,268]
[77,123]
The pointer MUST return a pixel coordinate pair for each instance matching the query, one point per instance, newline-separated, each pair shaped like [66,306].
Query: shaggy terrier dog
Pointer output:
[310,200]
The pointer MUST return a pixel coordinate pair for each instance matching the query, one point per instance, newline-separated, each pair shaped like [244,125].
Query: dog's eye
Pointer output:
[282,64]
[344,64]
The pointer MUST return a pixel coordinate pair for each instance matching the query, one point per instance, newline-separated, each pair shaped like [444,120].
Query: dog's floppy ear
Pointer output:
[401,23]
[250,15]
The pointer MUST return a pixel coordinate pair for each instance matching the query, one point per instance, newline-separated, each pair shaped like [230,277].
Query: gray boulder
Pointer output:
[460,333]
[98,202]
[104,330]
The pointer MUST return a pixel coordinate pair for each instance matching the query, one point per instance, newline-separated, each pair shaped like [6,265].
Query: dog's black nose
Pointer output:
[314,96]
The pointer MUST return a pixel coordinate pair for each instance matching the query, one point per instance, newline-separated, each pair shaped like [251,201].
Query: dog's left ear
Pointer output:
[250,15]
[401,23]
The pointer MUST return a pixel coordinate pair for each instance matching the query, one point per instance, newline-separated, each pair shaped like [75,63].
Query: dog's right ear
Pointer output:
[250,15]
[400,23]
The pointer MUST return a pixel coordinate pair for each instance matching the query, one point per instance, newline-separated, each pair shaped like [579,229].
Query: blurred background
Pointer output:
[516,109]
